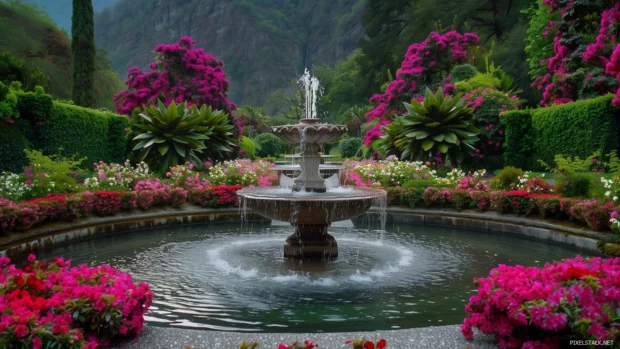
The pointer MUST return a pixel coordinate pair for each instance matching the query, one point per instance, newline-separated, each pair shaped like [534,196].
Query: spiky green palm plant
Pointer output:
[438,124]
[177,134]
[221,140]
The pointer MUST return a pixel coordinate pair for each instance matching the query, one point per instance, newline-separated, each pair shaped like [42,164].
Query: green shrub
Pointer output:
[52,174]
[419,183]
[463,72]
[118,129]
[575,184]
[438,125]
[350,147]
[576,129]
[519,138]
[12,145]
[69,130]
[248,146]
[268,144]
[508,177]
[484,81]
[571,164]
[35,105]
[8,103]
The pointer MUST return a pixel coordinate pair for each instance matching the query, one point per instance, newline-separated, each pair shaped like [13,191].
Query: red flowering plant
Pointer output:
[51,305]
[483,200]
[55,207]
[159,189]
[8,214]
[412,197]
[462,199]
[180,73]
[144,199]
[517,201]
[28,215]
[531,307]
[216,196]
[436,196]
[107,203]
[366,344]
[307,344]
[426,64]
[548,205]
[594,213]
[178,196]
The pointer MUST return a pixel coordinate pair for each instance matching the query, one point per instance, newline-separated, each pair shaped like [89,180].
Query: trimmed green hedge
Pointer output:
[12,145]
[573,129]
[519,141]
[576,129]
[59,128]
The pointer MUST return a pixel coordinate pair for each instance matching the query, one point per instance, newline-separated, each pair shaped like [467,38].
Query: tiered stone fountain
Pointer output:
[309,206]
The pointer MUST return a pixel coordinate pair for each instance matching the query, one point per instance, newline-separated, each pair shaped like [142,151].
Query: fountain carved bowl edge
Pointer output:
[310,210]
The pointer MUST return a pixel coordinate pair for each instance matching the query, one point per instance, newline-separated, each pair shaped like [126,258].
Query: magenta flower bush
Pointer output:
[52,305]
[530,307]
[426,64]
[580,66]
[180,73]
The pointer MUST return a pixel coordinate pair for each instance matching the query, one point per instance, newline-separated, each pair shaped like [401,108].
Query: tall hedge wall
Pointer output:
[519,139]
[576,129]
[58,128]
[573,129]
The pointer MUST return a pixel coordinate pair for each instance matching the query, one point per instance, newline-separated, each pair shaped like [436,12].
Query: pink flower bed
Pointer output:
[530,307]
[52,305]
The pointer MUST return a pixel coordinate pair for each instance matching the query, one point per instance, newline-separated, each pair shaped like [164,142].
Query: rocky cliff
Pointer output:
[264,43]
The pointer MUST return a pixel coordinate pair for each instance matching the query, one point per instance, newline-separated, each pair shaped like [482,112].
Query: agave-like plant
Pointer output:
[438,124]
[177,134]
[221,140]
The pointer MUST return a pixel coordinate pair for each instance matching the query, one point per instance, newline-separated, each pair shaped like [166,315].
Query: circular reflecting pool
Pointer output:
[214,277]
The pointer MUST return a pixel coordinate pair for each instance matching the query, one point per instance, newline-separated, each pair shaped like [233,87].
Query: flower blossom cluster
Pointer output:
[432,58]
[531,307]
[181,73]
[51,304]
[243,172]
[589,69]
[116,176]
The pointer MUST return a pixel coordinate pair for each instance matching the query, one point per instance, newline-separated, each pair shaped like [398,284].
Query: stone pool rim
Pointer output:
[18,244]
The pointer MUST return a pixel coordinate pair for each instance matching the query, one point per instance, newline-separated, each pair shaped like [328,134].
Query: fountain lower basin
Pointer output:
[310,214]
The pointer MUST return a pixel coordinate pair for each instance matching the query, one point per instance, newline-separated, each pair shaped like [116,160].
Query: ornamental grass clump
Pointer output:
[52,305]
[532,307]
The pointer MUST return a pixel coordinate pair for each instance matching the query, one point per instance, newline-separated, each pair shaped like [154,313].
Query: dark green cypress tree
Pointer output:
[83,51]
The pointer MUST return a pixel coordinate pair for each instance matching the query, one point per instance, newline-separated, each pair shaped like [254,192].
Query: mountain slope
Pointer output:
[264,43]
[60,10]
[33,37]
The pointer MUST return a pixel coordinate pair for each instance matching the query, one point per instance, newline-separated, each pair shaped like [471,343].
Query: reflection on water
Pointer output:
[213,277]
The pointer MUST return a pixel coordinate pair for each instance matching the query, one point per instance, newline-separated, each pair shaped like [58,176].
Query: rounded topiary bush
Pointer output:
[350,147]
[463,72]
[268,144]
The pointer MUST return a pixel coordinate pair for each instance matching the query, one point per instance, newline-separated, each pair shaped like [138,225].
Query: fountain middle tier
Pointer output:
[310,214]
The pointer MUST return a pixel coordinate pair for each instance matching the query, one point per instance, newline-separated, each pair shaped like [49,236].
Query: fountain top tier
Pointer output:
[309,131]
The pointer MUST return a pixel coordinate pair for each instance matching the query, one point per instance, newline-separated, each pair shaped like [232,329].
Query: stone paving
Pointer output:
[439,337]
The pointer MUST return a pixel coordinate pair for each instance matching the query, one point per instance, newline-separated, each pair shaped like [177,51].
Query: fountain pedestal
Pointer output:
[311,241]
[310,177]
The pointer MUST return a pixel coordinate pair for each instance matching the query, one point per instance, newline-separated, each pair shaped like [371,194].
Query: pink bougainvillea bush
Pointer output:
[586,58]
[531,307]
[180,73]
[52,305]
[426,64]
